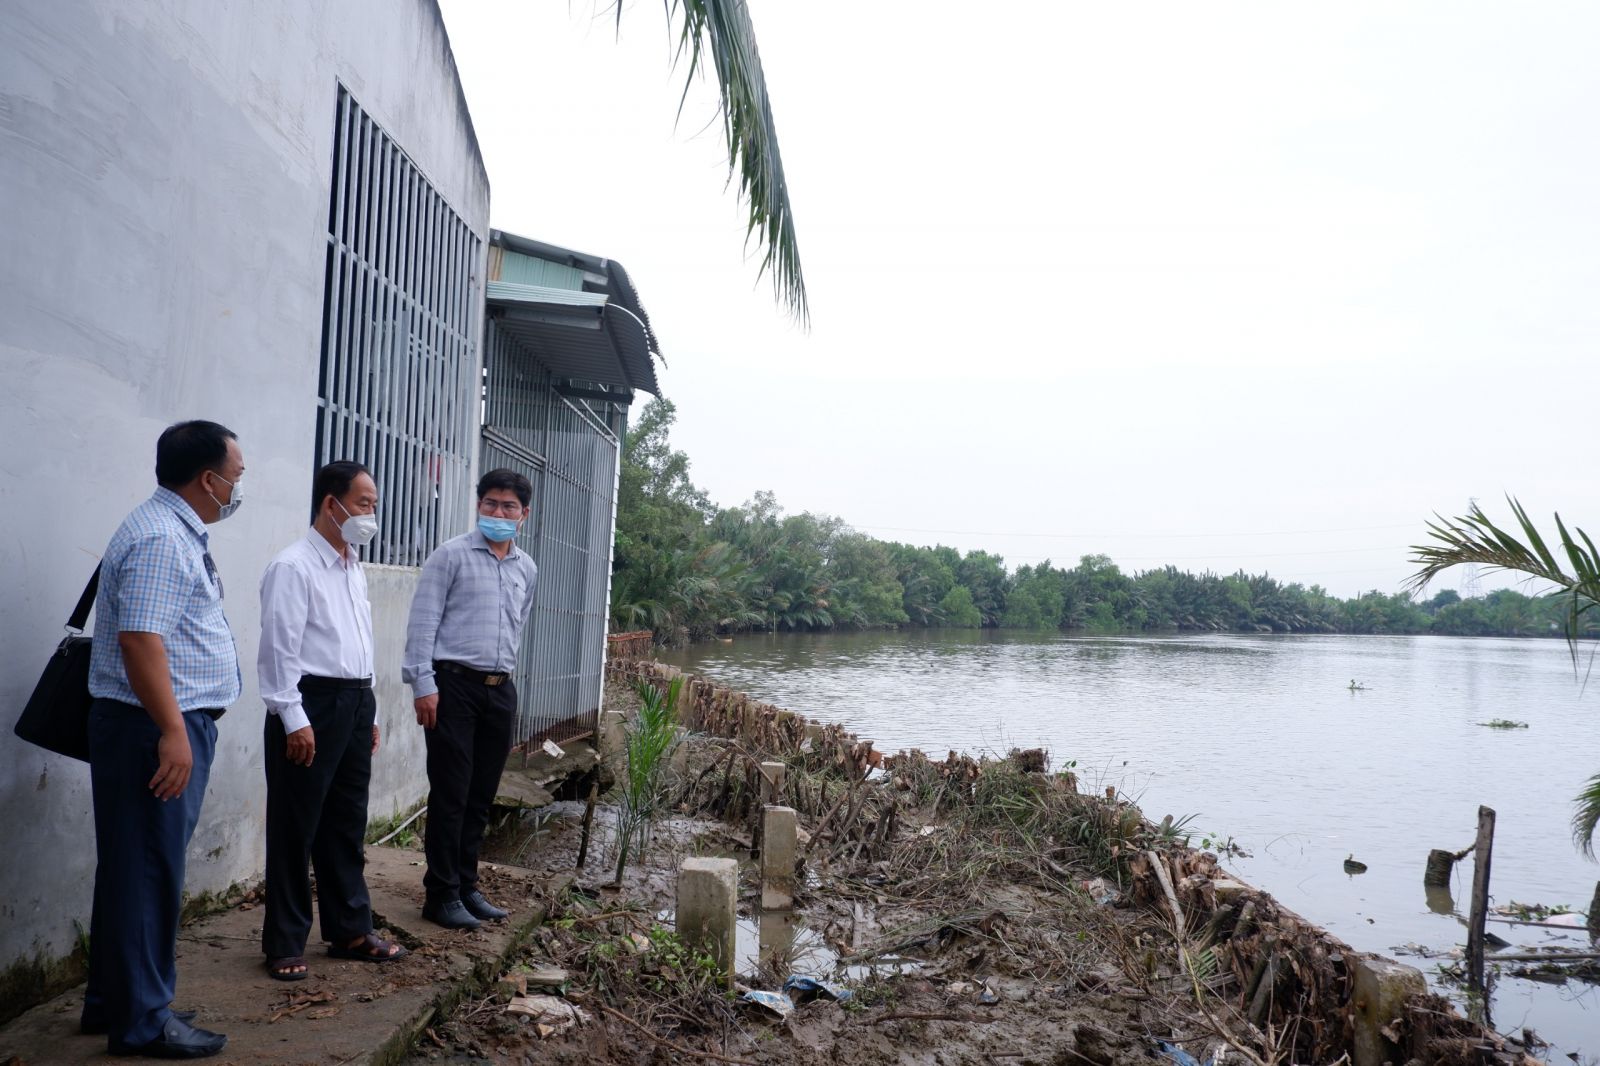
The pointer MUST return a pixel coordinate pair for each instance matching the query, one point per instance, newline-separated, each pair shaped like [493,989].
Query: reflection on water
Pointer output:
[1261,738]
[1440,901]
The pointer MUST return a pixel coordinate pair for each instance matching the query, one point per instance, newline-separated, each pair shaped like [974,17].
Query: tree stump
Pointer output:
[1440,865]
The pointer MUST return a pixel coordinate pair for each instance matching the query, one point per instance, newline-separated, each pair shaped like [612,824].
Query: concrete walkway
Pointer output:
[345,1012]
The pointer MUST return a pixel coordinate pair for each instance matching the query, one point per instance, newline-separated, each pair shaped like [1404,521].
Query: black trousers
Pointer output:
[318,813]
[467,749]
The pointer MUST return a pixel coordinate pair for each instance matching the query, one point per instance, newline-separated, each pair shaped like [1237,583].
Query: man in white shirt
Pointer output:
[315,669]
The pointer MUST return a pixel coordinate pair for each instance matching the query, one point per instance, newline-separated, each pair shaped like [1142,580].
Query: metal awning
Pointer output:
[583,336]
[598,275]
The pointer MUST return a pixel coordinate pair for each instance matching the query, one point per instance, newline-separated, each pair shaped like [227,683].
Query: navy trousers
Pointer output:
[318,813]
[467,751]
[140,844]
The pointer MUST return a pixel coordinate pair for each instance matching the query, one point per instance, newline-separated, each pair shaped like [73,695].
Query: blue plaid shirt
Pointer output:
[157,577]
[469,608]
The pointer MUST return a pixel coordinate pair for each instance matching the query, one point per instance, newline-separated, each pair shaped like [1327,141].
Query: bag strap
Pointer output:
[80,613]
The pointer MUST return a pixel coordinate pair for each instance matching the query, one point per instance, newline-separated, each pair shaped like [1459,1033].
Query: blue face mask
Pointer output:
[496,529]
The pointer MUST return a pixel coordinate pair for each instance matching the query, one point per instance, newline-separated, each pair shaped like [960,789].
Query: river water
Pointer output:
[1259,738]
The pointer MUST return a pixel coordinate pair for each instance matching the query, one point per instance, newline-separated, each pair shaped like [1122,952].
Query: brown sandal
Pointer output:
[284,969]
[372,948]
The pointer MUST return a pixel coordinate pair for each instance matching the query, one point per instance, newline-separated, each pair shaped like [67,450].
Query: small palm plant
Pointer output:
[651,739]
[1472,538]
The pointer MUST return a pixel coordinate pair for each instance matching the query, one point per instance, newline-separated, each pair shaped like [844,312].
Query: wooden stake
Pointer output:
[1480,897]
[588,818]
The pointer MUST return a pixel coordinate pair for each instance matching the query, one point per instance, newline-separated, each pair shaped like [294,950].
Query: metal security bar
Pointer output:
[399,356]
[569,450]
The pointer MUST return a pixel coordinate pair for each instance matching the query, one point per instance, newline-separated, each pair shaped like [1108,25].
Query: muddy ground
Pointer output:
[955,946]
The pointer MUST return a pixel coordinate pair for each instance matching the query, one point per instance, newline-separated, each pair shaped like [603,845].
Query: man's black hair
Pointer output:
[334,480]
[506,479]
[186,448]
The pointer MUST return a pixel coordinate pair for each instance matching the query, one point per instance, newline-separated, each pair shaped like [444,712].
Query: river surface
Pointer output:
[1259,738]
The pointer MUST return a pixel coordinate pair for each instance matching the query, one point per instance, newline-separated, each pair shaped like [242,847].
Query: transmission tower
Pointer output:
[1471,588]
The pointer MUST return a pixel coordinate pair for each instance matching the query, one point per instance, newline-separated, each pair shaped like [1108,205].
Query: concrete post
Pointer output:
[678,761]
[772,774]
[1381,987]
[777,858]
[707,892]
[813,733]
[613,744]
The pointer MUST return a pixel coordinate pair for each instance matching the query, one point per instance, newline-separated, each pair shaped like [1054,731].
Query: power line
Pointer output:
[1139,536]
[1231,555]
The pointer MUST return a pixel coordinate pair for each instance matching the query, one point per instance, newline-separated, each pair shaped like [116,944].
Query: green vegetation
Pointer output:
[651,738]
[688,570]
[1472,538]
[1503,723]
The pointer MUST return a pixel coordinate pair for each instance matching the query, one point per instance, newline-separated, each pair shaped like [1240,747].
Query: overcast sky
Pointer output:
[1243,285]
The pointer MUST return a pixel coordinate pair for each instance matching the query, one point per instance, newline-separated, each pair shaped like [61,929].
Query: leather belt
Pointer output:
[312,683]
[480,676]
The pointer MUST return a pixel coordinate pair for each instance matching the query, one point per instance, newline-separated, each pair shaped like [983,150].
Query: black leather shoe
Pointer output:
[452,914]
[178,1040]
[482,909]
[95,1025]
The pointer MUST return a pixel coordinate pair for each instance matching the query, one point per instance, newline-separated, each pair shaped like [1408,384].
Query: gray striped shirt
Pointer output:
[470,608]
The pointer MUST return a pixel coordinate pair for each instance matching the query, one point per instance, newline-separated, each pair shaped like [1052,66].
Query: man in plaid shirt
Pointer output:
[162,670]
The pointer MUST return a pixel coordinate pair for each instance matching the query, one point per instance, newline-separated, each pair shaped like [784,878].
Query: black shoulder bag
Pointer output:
[57,714]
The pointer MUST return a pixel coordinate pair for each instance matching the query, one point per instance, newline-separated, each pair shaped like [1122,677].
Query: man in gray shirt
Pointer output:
[474,597]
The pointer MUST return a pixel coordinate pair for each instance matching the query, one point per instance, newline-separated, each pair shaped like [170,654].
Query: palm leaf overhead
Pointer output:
[1472,538]
[721,31]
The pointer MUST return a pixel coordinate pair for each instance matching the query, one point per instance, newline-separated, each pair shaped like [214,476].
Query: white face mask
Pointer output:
[357,529]
[234,500]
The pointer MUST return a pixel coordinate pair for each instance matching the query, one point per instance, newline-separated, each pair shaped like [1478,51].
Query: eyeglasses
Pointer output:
[213,574]
[509,508]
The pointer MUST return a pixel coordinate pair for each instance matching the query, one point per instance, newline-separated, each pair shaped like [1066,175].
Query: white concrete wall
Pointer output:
[399,772]
[164,170]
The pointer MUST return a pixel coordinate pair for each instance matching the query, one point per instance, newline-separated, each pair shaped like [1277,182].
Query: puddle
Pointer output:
[781,941]
[778,940]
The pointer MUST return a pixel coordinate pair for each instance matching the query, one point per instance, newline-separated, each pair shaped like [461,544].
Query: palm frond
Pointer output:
[721,30]
[1472,538]
[1586,818]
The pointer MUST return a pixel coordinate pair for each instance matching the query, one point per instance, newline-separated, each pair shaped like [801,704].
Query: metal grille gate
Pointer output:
[570,454]
[399,353]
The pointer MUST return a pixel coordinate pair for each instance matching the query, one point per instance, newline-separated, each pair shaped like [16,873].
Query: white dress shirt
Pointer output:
[315,621]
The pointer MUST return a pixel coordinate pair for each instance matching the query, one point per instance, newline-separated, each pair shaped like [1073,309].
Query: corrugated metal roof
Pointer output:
[601,273]
[511,292]
[523,269]
[577,335]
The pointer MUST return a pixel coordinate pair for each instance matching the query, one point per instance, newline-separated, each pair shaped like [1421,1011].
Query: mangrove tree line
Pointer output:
[687,569]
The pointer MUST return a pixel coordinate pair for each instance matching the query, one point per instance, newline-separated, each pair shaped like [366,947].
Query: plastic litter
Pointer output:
[774,1003]
[550,1012]
[801,988]
[1180,1056]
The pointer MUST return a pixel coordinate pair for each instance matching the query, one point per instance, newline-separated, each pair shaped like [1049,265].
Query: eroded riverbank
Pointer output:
[990,910]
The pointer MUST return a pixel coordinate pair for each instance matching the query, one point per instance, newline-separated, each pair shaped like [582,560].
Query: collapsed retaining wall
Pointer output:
[1281,973]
